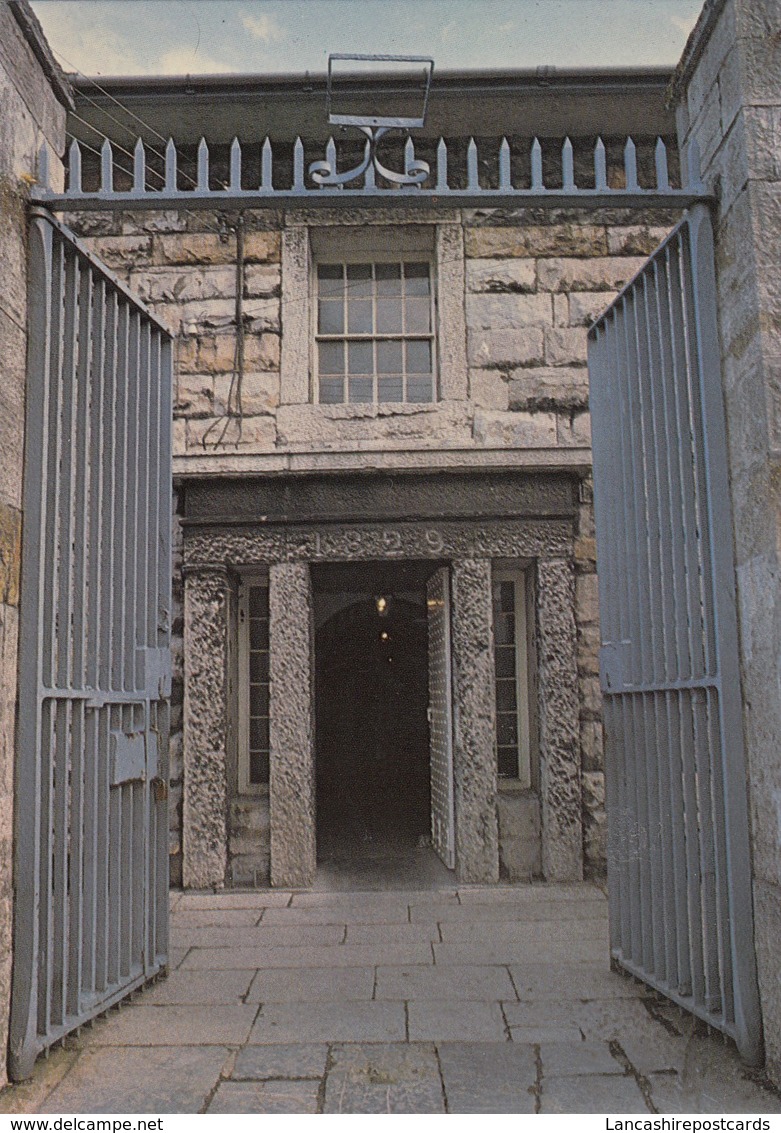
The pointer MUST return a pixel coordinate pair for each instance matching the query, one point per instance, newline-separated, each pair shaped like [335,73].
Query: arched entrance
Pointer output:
[372,734]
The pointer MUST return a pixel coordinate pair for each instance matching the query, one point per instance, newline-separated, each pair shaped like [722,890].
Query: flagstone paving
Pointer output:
[460,1000]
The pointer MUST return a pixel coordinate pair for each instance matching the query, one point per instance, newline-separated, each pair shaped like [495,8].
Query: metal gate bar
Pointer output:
[679,854]
[91,859]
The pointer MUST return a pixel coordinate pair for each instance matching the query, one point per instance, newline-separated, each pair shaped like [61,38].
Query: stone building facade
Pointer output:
[305,511]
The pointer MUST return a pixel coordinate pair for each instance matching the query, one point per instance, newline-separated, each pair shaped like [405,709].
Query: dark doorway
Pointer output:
[371,697]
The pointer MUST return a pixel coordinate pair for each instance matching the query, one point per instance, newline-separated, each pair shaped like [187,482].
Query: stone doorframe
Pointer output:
[215,556]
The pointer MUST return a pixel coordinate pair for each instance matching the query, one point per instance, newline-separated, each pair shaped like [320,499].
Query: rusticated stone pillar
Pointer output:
[474,714]
[206,722]
[562,835]
[292,783]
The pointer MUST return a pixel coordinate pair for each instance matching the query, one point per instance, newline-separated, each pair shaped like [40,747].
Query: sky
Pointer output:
[165,37]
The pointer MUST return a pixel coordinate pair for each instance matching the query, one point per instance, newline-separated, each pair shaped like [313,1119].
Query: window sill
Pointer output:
[352,410]
[515,787]
[260,791]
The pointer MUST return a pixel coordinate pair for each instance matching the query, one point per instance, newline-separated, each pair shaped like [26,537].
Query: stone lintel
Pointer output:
[252,544]
[562,836]
[474,757]
[292,784]
[206,707]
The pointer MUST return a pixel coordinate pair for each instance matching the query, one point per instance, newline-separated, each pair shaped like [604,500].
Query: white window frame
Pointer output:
[439,237]
[351,244]
[520,576]
[244,786]
[372,257]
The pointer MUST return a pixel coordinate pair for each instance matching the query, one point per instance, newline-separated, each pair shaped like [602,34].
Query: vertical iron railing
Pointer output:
[679,852]
[91,837]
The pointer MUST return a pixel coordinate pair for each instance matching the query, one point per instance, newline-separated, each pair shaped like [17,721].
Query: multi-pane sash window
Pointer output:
[375,338]
[254,686]
[512,690]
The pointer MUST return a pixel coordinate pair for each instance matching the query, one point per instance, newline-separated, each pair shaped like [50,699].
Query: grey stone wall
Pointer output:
[31,112]
[729,87]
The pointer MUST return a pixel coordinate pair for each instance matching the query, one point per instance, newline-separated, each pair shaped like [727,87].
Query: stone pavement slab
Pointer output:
[256,899]
[354,912]
[151,1079]
[561,1060]
[535,981]
[384,1078]
[199,988]
[391,933]
[592,1093]
[488,1077]
[310,956]
[443,1020]
[311,985]
[601,1019]
[283,1060]
[175,1025]
[535,917]
[330,1022]
[376,899]
[253,899]
[454,983]
[223,918]
[468,928]
[732,1092]
[527,895]
[175,957]
[263,936]
[265,1097]
[558,950]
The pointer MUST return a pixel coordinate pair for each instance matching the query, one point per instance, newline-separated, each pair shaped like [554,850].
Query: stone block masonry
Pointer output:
[517,290]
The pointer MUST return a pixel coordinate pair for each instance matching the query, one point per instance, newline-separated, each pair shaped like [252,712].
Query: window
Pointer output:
[512,677]
[375,332]
[254,741]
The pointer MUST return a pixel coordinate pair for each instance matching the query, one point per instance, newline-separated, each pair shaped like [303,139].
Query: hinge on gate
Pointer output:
[611,665]
[157,673]
[160,790]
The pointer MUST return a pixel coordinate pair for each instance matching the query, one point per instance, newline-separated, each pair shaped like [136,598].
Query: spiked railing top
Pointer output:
[487,178]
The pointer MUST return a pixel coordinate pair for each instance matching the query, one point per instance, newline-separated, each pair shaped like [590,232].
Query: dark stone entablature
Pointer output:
[358,497]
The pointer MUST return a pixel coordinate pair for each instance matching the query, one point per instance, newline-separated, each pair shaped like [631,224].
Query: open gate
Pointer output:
[678,838]
[91,823]
[440,717]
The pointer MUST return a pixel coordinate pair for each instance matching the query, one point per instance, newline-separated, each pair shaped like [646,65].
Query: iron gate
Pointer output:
[679,854]
[91,856]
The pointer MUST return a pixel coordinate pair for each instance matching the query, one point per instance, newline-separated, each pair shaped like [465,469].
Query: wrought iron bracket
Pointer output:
[324,172]
[375,127]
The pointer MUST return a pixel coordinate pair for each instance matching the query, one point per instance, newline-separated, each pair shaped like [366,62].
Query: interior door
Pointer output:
[440,717]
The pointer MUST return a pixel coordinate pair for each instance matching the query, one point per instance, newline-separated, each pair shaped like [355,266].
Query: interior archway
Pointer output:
[372,734]
[372,731]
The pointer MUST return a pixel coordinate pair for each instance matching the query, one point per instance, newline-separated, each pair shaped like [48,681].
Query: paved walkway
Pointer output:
[464,1001]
